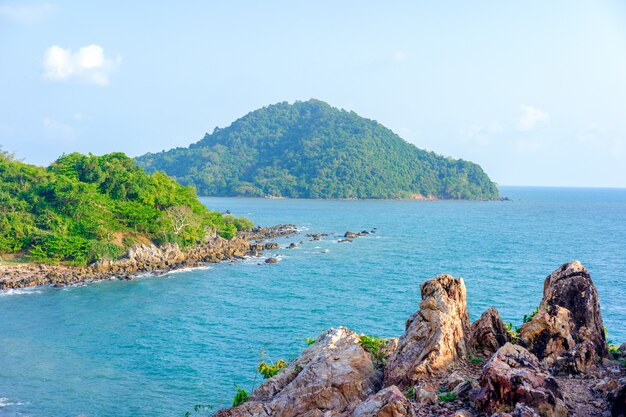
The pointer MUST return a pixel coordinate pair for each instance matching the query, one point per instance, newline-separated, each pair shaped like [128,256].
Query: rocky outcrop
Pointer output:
[568,316]
[330,377]
[389,402]
[435,336]
[141,259]
[515,376]
[489,333]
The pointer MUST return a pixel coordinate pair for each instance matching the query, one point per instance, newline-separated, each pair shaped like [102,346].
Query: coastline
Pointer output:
[412,198]
[143,259]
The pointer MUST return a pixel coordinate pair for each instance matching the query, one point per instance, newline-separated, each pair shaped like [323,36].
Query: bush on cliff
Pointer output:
[83,208]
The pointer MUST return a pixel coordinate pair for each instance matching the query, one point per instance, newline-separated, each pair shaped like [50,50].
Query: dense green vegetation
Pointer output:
[84,208]
[312,150]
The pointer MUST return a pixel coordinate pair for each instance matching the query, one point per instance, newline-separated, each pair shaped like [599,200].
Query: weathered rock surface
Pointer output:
[436,335]
[489,333]
[389,402]
[330,377]
[515,376]
[581,358]
[618,400]
[569,315]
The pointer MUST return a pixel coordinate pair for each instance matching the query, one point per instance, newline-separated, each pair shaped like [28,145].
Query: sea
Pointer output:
[159,345]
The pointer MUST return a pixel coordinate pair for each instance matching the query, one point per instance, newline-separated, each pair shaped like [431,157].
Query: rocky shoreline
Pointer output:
[557,364]
[144,259]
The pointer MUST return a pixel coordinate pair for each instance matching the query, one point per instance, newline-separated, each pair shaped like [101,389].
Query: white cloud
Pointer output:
[531,117]
[88,64]
[58,131]
[481,134]
[399,56]
[25,14]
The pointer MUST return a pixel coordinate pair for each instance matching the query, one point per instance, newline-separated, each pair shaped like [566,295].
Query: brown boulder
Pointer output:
[435,336]
[515,376]
[389,402]
[331,376]
[489,333]
[569,315]
[579,359]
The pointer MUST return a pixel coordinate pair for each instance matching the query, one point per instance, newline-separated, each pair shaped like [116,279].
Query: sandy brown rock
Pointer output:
[513,375]
[569,315]
[489,333]
[329,377]
[435,336]
[389,402]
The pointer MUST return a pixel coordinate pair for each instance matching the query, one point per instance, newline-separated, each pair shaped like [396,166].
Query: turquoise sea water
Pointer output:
[157,346]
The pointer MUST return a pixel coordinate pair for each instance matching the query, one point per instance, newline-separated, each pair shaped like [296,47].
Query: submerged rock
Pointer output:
[271,260]
[489,333]
[435,336]
[514,375]
[331,376]
[568,316]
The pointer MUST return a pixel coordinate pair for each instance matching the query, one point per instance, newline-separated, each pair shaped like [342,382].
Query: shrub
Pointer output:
[269,371]
[240,397]
[376,346]
[447,397]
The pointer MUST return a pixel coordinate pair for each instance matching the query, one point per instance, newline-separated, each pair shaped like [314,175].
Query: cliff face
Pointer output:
[436,367]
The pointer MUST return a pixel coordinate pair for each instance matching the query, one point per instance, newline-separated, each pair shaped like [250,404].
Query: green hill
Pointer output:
[312,150]
[84,208]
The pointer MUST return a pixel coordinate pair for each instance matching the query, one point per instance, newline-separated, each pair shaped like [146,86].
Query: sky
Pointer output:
[533,91]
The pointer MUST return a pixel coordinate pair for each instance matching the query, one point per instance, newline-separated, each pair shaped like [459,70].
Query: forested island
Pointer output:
[85,208]
[313,150]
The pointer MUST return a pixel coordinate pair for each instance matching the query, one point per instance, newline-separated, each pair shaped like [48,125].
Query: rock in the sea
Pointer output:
[513,375]
[435,336]
[331,376]
[292,245]
[569,315]
[389,402]
[350,235]
[271,260]
[271,245]
[489,333]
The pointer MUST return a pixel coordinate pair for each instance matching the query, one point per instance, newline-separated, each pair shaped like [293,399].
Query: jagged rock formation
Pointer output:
[568,316]
[425,374]
[328,377]
[489,333]
[435,336]
[513,375]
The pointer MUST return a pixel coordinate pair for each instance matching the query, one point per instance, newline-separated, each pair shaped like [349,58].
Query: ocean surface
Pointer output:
[157,346]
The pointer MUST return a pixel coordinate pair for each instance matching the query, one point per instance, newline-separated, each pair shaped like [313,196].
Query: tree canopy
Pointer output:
[83,208]
[312,150]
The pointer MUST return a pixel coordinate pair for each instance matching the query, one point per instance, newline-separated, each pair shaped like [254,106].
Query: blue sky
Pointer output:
[534,91]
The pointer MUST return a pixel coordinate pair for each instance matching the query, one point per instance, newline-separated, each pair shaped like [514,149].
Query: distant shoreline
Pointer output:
[422,198]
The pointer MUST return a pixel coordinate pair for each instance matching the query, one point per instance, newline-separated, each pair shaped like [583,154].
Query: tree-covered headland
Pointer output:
[83,208]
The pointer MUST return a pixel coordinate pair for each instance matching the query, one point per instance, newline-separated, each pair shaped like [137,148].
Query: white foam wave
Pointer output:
[19,291]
